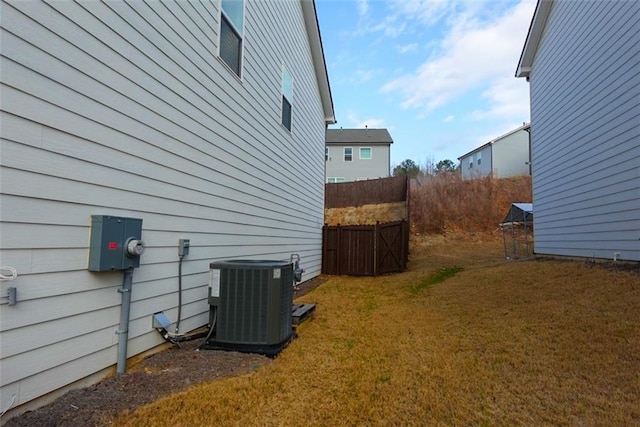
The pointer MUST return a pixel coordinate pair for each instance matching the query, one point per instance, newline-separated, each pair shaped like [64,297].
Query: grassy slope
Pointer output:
[537,342]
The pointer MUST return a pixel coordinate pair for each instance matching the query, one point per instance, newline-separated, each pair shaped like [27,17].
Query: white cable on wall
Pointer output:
[13,273]
[13,399]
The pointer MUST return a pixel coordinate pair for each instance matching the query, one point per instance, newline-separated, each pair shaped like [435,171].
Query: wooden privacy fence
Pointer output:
[368,192]
[365,250]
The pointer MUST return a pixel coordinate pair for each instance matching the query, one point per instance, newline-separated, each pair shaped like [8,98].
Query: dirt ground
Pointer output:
[366,215]
[164,373]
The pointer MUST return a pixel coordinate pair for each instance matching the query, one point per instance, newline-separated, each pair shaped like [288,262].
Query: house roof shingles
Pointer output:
[358,136]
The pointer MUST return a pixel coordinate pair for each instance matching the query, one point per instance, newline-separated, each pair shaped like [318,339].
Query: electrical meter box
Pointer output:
[115,243]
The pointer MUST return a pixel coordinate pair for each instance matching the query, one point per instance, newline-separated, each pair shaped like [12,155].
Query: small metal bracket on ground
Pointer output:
[301,312]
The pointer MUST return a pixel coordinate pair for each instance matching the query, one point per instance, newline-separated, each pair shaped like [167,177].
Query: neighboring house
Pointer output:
[204,119]
[357,154]
[582,60]
[507,155]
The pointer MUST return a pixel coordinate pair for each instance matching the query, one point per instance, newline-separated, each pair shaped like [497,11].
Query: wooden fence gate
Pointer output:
[365,250]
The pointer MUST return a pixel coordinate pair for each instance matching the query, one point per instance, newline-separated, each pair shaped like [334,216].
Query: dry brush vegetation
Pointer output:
[445,202]
[461,338]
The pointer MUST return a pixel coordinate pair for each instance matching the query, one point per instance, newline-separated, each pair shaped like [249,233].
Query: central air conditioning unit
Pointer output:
[250,305]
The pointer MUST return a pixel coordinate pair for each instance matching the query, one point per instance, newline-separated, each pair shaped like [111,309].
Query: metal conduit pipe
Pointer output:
[123,329]
[179,295]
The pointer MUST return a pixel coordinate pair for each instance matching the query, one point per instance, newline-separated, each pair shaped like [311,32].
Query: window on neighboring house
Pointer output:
[287,97]
[333,180]
[365,153]
[479,159]
[348,154]
[326,153]
[470,162]
[231,34]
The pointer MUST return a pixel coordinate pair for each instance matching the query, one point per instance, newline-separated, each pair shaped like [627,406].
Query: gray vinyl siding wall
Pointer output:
[376,167]
[122,108]
[477,171]
[585,108]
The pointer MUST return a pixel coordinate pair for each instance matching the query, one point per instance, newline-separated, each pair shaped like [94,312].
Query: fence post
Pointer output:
[405,244]
[407,198]
[338,246]
[375,230]
[324,249]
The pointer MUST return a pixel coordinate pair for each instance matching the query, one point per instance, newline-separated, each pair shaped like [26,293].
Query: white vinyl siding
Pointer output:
[585,112]
[510,155]
[505,156]
[375,167]
[132,115]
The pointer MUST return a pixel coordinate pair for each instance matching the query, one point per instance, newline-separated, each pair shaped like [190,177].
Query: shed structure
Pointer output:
[517,231]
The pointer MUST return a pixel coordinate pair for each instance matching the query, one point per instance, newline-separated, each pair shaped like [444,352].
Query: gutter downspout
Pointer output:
[123,329]
[528,130]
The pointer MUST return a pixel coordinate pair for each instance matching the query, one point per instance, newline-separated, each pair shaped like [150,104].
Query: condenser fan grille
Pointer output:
[244,305]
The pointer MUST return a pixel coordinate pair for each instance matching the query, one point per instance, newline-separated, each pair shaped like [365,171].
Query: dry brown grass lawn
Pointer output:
[521,343]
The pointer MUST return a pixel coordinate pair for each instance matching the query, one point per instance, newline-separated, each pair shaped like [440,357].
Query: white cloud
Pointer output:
[407,48]
[362,76]
[358,123]
[363,7]
[428,12]
[371,123]
[390,26]
[477,53]
[506,98]
[448,119]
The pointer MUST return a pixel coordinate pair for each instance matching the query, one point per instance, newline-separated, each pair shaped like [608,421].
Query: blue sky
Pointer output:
[439,74]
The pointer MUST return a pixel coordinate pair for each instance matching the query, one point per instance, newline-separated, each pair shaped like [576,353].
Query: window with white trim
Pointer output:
[334,180]
[287,97]
[231,33]
[479,159]
[470,162]
[365,153]
[348,154]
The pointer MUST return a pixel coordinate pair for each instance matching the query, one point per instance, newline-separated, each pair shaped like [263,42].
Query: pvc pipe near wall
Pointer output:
[123,328]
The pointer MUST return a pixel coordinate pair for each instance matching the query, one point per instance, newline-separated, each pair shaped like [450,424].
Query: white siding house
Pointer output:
[582,60]
[507,155]
[134,109]
[357,154]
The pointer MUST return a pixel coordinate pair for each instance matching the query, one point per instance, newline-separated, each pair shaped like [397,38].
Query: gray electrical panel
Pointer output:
[115,243]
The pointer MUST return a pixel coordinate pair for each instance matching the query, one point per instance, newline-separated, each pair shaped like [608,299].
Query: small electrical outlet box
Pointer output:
[183,247]
[12,295]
